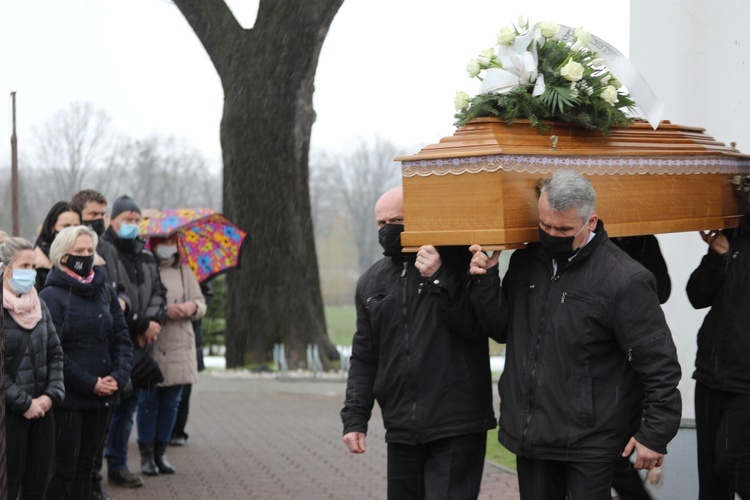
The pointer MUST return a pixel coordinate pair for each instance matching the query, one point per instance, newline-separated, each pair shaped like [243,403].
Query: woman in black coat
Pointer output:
[33,378]
[97,357]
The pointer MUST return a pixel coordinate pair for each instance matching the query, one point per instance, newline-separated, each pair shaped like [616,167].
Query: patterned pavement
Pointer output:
[266,438]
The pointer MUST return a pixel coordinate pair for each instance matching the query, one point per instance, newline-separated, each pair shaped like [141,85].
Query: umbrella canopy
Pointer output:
[209,242]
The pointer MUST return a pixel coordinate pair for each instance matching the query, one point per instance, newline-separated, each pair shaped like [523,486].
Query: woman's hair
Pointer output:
[567,189]
[10,248]
[66,239]
[47,232]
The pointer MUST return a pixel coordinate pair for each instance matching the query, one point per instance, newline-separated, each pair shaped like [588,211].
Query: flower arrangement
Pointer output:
[541,74]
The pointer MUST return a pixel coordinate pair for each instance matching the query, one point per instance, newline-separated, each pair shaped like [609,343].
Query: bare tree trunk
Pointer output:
[267,73]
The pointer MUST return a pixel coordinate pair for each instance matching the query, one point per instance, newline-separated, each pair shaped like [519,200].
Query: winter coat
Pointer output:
[93,335]
[41,369]
[590,360]
[146,296]
[723,283]
[174,351]
[430,381]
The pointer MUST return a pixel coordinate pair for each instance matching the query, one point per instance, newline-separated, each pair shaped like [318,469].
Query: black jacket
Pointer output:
[430,381]
[723,283]
[139,275]
[41,369]
[590,360]
[93,334]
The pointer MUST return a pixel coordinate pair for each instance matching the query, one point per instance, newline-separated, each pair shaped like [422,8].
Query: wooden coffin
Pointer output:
[480,185]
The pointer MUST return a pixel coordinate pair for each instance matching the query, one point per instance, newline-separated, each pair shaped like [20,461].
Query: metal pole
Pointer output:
[14,170]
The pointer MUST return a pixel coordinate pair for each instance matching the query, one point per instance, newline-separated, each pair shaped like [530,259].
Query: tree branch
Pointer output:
[215,26]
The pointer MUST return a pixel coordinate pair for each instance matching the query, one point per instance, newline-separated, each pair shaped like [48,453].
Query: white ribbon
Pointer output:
[520,66]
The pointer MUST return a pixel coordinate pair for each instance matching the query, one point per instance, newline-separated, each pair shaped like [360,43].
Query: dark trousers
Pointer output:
[30,448]
[449,468]
[557,480]
[182,412]
[722,425]
[627,481]
[78,436]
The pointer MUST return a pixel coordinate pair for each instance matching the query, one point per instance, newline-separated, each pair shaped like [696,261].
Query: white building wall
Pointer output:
[695,55]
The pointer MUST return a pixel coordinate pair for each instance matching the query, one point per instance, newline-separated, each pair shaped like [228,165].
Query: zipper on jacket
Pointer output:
[647,343]
[405,316]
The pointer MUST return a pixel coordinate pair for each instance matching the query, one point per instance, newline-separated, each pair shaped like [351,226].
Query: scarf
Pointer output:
[25,310]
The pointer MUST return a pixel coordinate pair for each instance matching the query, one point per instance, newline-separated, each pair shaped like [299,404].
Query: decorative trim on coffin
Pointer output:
[590,165]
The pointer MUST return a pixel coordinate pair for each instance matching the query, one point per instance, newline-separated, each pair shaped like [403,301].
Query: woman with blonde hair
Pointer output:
[97,357]
[33,378]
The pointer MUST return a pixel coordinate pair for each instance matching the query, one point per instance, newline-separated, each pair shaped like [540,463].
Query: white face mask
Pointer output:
[164,252]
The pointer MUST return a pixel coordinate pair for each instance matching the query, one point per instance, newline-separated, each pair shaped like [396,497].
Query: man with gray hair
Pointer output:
[591,370]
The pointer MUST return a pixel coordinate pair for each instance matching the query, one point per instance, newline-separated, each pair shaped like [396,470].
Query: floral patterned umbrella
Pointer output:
[209,242]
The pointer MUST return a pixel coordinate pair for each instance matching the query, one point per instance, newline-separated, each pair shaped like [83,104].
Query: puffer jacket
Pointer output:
[93,335]
[590,360]
[41,369]
[723,283]
[174,351]
[430,380]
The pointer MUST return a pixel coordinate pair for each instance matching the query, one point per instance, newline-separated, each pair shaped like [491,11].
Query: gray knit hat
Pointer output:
[124,204]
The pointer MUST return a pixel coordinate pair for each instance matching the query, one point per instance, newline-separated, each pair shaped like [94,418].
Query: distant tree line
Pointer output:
[79,148]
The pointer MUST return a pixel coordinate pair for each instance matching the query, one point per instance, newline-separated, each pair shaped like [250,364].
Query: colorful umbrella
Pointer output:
[209,242]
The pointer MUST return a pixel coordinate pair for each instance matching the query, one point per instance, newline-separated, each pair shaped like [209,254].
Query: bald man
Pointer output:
[431,377]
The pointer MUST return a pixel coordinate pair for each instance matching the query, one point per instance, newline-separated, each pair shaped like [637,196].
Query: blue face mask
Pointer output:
[22,281]
[128,231]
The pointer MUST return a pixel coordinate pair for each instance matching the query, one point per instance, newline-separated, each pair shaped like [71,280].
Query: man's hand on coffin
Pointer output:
[716,240]
[480,261]
[428,261]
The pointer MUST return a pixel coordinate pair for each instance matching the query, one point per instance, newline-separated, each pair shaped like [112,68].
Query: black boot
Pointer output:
[160,449]
[148,465]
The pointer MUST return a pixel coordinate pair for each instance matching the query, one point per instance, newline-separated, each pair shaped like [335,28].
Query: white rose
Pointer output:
[572,71]
[521,22]
[609,95]
[549,29]
[606,78]
[582,35]
[576,46]
[615,83]
[599,61]
[473,68]
[461,101]
[506,35]
[486,57]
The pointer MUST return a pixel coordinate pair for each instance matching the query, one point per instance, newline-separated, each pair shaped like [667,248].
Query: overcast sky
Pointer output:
[389,67]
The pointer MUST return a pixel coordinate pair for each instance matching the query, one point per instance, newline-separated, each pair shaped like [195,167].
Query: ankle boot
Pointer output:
[160,449]
[148,465]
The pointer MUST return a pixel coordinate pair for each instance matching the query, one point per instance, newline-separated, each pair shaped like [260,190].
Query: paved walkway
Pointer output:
[276,439]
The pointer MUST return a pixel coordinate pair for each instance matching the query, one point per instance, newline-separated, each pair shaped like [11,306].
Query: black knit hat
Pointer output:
[124,204]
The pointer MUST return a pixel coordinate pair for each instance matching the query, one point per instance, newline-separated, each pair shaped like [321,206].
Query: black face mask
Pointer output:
[97,225]
[389,237]
[80,264]
[561,247]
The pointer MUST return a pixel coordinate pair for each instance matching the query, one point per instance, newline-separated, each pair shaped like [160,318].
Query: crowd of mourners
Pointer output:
[101,330]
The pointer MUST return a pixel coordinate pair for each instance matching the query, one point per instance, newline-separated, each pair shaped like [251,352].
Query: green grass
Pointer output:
[341,322]
[497,452]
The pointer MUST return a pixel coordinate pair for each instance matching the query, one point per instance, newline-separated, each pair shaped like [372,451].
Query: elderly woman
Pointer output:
[97,357]
[33,373]
[174,353]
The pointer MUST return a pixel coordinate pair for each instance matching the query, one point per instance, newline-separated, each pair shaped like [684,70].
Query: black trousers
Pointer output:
[30,447]
[557,480]
[722,425]
[449,468]
[78,437]
[182,412]
[627,481]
